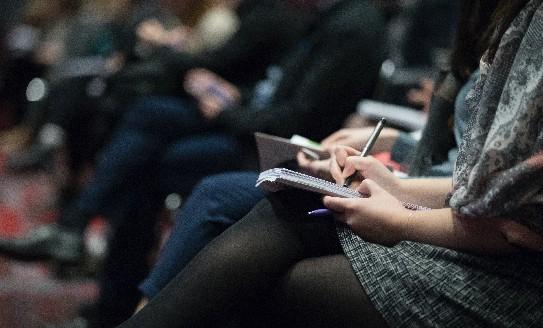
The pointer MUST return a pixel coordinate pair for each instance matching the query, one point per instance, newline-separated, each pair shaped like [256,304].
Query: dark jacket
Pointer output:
[268,28]
[324,76]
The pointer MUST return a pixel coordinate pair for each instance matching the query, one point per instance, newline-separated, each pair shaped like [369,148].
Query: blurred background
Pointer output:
[78,61]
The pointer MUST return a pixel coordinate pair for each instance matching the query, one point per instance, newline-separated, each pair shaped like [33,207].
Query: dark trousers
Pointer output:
[135,217]
[162,146]
[215,204]
[148,129]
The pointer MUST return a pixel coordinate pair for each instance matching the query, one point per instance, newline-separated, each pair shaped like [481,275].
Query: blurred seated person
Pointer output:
[219,201]
[168,143]
[474,244]
[420,38]
[243,59]
[85,44]
[32,44]
[204,26]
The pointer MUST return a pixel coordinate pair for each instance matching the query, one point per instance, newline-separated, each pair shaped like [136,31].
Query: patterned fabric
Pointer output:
[416,285]
[499,171]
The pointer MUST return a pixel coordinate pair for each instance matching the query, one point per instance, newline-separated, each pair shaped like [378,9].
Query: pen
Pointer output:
[320,212]
[367,147]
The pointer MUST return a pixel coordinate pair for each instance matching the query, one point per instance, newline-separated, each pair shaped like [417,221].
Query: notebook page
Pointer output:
[280,178]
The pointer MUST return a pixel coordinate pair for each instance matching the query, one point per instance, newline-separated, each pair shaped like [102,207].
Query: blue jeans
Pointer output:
[216,203]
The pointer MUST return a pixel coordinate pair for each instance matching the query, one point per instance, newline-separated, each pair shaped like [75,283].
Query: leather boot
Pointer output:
[48,242]
[37,157]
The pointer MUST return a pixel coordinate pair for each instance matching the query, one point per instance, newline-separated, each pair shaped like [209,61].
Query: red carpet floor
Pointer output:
[31,294]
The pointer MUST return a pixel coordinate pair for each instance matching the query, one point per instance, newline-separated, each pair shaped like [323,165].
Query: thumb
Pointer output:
[336,204]
[368,187]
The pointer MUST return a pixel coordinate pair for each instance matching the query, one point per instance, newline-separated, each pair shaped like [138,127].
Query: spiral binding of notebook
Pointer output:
[280,178]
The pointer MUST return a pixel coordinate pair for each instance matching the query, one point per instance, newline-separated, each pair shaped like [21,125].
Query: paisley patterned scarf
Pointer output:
[499,171]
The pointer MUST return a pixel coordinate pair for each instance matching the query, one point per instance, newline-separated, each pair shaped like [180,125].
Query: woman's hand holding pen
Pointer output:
[379,218]
[344,161]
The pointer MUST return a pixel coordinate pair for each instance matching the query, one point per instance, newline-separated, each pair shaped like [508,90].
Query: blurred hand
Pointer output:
[210,106]
[49,52]
[379,218]
[212,92]
[357,138]
[318,168]
[520,236]
[356,120]
[345,161]
[178,37]
[423,95]
[115,62]
[153,32]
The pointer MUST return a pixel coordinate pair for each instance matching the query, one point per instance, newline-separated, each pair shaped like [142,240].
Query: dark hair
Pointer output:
[471,37]
[480,28]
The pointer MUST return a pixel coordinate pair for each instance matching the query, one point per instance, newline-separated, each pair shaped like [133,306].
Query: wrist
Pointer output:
[402,226]
[396,187]
[407,233]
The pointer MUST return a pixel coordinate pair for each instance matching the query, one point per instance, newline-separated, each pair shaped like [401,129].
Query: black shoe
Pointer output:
[49,242]
[37,157]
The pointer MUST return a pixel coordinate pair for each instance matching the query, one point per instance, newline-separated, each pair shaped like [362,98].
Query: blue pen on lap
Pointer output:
[320,212]
[365,151]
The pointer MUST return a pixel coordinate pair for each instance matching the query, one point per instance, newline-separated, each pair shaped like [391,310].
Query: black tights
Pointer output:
[274,268]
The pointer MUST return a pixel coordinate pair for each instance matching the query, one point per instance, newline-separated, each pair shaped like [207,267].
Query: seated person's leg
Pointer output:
[323,292]
[151,125]
[127,261]
[189,159]
[142,138]
[180,168]
[58,120]
[167,117]
[243,265]
[216,203]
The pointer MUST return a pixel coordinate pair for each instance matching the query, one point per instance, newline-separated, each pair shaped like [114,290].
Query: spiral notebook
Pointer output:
[281,178]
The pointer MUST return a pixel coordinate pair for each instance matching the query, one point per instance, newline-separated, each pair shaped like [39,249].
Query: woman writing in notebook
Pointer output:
[474,260]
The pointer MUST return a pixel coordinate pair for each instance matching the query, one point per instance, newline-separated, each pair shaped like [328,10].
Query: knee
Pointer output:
[229,186]
[299,285]
[324,292]
[210,185]
[152,112]
[293,302]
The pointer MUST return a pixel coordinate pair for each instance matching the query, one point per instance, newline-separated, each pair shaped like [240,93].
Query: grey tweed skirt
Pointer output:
[417,285]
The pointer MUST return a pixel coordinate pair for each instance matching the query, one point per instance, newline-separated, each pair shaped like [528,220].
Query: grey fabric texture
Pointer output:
[499,171]
[418,285]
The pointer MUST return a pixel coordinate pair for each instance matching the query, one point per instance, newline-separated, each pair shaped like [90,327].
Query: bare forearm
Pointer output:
[440,228]
[430,192]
